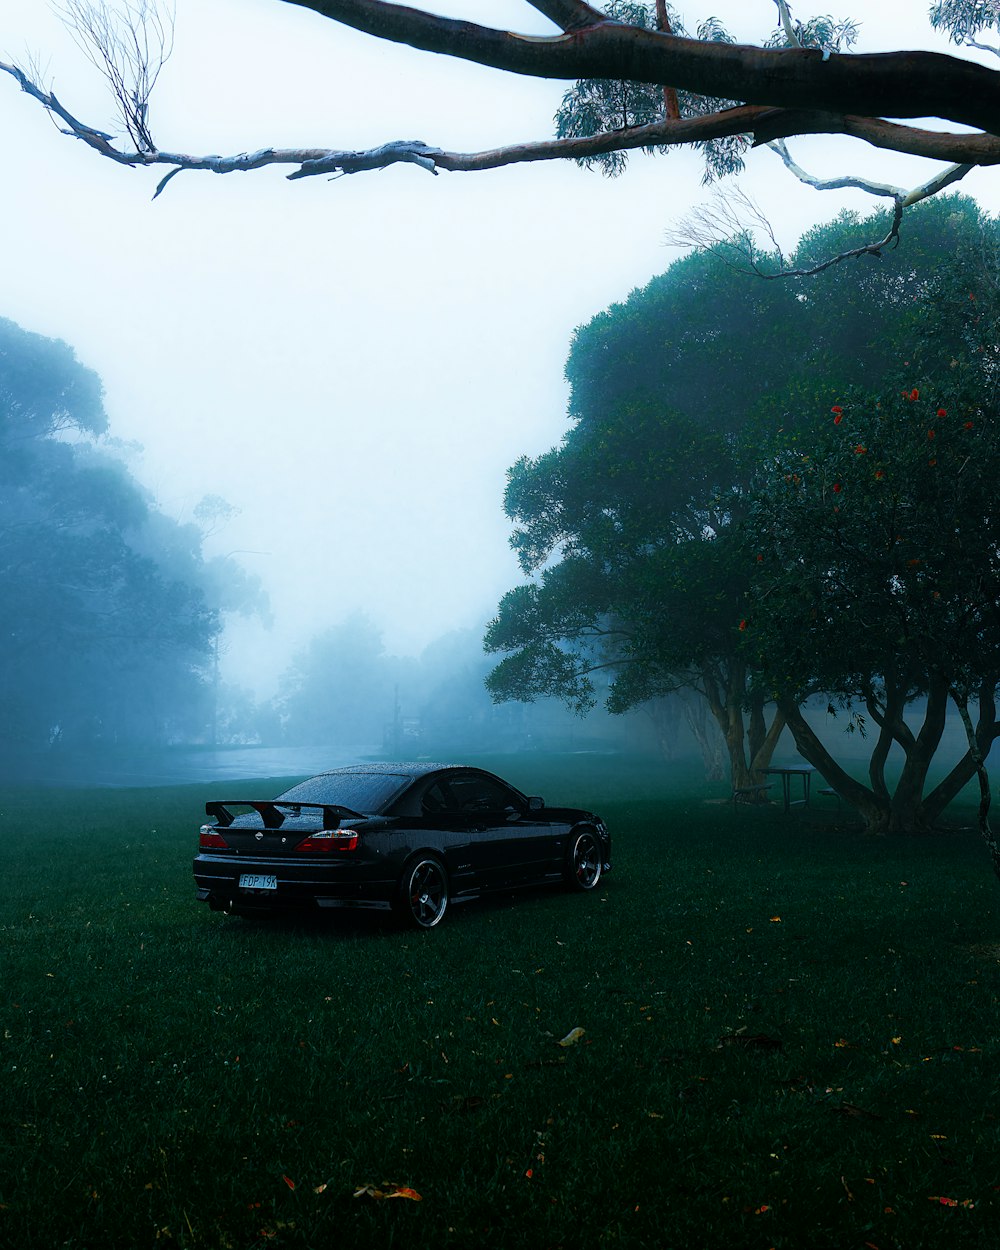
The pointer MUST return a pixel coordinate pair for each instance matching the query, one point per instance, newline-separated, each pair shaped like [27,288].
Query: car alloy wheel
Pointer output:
[425,893]
[584,870]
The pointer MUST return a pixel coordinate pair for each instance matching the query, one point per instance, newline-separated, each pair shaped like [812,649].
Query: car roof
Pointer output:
[404,769]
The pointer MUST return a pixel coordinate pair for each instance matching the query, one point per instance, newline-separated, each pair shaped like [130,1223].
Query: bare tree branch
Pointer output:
[954,173]
[795,90]
[980,149]
[785,16]
[728,227]
[671,105]
[129,45]
[568,14]
[983,47]
[834,184]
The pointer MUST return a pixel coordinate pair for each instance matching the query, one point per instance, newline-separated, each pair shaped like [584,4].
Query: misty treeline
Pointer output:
[780,498]
[343,688]
[111,612]
[114,616]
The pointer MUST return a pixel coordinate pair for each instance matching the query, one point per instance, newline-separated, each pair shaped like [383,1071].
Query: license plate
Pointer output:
[250,881]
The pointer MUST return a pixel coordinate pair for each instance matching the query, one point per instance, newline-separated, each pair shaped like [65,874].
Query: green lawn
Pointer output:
[790,1040]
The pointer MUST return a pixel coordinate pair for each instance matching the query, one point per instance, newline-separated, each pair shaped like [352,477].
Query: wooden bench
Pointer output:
[750,794]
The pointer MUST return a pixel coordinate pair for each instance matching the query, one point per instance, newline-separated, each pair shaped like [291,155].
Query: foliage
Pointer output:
[598,105]
[165,1068]
[592,106]
[111,612]
[339,686]
[634,529]
[621,67]
[883,512]
[878,575]
[963,20]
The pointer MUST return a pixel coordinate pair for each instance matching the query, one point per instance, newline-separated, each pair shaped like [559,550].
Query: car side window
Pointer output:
[473,795]
[436,801]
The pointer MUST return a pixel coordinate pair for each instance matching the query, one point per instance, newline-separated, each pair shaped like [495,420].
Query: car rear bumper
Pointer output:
[296,885]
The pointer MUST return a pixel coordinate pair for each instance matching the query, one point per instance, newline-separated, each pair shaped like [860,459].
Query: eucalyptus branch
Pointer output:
[789,89]
[129,45]
[785,15]
[728,228]
[569,14]
[954,173]
[983,47]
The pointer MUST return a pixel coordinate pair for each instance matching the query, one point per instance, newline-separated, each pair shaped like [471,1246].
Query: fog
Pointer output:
[351,364]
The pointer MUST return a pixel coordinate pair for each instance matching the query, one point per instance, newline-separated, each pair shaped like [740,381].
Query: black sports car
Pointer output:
[402,837]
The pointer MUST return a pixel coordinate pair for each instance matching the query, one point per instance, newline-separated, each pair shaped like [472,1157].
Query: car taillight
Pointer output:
[210,839]
[328,840]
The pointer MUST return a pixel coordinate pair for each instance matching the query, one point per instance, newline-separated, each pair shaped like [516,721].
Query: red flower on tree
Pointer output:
[860,451]
[942,412]
[837,488]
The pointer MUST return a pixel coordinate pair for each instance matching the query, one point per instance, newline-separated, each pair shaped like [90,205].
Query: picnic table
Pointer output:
[785,773]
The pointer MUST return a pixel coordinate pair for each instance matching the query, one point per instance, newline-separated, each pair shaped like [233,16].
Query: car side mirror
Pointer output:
[535,803]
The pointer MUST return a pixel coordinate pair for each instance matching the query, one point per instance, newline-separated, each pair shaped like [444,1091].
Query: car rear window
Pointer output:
[362,792]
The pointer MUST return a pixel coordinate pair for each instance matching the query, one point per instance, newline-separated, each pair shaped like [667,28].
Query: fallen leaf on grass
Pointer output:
[951,1202]
[571,1038]
[388,1191]
[856,1113]
[752,1041]
[289,1182]
[472,1103]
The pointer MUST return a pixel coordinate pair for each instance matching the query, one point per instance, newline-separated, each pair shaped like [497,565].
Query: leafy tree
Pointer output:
[627,60]
[635,526]
[876,562]
[109,617]
[339,687]
[641,511]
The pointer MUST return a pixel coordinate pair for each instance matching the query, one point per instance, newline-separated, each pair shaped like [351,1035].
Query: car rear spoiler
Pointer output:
[269,812]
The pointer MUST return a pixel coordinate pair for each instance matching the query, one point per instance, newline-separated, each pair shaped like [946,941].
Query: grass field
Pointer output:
[790,1041]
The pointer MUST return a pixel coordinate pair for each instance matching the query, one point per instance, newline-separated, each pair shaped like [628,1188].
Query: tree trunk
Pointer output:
[905,810]
[986,733]
[707,738]
[749,747]
[986,833]
[873,808]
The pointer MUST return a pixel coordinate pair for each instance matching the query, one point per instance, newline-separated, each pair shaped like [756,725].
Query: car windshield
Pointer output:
[361,792]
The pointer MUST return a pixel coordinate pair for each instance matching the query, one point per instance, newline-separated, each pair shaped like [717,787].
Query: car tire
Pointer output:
[423,893]
[584,863]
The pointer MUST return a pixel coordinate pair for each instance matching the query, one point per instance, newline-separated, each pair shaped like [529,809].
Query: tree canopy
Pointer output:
[874,550]
[636,528]
[641,82]
[111,612]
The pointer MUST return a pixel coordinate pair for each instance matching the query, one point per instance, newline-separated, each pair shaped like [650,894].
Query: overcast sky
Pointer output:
[352,363]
